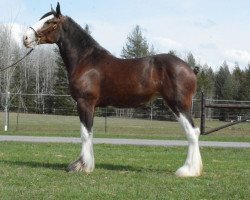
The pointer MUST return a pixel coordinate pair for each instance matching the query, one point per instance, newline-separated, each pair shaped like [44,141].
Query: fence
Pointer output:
[154,118]
[239,106]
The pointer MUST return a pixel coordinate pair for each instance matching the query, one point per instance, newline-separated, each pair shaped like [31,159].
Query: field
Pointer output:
[37,171]
[68,126]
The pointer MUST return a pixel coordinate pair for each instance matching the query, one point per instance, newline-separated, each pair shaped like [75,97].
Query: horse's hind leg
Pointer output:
[193,163]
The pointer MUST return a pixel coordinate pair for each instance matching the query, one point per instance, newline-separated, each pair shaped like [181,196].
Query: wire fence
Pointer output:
[57,114]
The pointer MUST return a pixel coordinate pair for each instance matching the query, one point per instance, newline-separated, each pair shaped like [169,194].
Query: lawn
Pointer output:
[68,126]
[37,171]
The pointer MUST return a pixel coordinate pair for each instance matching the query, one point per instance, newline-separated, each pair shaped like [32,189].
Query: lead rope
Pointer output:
[12,65]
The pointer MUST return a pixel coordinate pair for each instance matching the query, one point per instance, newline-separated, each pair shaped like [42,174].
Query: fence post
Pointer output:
[6,111]
[203,113]
[151,110]
[106,120]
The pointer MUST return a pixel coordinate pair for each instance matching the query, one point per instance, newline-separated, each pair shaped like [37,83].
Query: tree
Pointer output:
[87,29]
[172,52]
[246,83]
[136,45]
[205,81]
[222,77]
[225,88]
[238,80]
[191,60]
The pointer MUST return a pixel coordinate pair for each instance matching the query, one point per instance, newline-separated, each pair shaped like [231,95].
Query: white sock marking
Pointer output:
[193,163]
[87,152]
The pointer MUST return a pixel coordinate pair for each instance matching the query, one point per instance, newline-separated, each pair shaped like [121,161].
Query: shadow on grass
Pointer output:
[105,166]
[33,164]
[114,167]
[128,168]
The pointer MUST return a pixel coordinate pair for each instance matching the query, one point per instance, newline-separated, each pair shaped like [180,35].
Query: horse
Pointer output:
[99,79]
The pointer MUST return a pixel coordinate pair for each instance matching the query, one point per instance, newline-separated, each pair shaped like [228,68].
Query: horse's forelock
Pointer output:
[47,14]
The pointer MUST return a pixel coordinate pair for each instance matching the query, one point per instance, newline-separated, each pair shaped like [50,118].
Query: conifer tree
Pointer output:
[136,45]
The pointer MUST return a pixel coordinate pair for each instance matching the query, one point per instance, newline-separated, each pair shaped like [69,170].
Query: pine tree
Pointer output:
[223,82]
[87,29]
[205,81]
[224,88]
[136,45]
[191,60]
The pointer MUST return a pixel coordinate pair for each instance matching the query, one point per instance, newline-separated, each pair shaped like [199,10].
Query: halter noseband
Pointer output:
[36,34]
[47,30]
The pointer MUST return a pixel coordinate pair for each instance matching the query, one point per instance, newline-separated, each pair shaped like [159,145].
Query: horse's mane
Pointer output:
[79,36]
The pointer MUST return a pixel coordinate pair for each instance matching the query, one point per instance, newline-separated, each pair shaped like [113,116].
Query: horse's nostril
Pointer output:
[25,38]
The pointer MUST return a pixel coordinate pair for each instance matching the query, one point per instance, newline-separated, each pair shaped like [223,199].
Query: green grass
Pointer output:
[68,126]
[37,171]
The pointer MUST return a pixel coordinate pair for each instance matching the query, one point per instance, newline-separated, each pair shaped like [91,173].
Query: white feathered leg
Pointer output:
[193,163]
[86,162]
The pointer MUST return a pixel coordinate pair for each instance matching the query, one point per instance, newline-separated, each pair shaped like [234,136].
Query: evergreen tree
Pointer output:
[220,79]
[205,81]
[87,29]
[136,45]
[238,79]
[191,60]
[224,89]
[172,52]
[245,84]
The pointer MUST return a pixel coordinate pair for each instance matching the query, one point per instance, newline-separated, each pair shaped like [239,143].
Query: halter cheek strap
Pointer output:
[36,34]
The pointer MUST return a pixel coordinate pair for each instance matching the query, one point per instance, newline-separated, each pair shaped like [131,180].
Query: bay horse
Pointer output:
[99,79]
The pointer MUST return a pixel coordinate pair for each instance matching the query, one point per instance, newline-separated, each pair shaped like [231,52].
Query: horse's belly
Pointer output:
[126,100]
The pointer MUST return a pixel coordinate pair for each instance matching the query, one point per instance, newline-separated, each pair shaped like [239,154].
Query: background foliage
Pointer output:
[43,73]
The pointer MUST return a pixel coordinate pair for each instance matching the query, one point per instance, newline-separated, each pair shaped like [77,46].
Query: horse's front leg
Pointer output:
[86,162]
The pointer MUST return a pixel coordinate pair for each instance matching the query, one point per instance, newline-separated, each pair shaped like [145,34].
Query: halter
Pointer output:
[43,33]
[36,34]
[34,31]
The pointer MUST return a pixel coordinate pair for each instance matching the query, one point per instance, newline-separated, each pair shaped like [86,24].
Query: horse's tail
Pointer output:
[196,70]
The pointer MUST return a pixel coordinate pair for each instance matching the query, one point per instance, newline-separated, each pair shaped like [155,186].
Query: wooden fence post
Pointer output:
[203,113]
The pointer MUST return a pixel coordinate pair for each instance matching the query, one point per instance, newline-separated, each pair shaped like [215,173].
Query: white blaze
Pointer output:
[30,37]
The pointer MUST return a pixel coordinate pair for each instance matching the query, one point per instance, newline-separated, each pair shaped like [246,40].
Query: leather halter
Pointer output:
[40,35]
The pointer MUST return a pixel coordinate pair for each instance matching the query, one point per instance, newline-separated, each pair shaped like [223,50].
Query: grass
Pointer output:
[37,171]
[68,126]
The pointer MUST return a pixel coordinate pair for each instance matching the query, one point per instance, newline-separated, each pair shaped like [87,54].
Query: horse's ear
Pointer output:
[52,9]
[58,10]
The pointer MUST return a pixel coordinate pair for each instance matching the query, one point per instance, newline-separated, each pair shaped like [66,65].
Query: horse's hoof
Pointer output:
[77,166]
[187,171]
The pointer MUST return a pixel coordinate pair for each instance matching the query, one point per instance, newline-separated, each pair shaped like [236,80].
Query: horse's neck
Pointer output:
[75,44]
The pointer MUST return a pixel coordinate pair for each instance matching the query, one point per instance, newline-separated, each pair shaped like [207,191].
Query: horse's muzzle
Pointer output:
[30,38]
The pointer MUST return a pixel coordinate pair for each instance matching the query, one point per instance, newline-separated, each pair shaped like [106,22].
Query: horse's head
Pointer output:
[46,30]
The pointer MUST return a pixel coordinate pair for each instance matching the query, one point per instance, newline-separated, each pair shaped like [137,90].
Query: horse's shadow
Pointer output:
[35,164]
[114,167]
[64,166]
